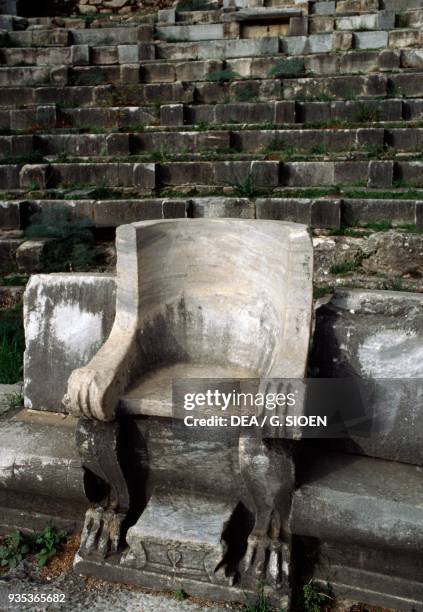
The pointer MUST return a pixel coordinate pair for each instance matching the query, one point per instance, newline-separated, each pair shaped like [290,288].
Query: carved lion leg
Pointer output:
[98,445]
[268,472]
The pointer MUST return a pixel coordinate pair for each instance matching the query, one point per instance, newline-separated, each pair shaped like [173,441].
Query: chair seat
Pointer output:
[152,395]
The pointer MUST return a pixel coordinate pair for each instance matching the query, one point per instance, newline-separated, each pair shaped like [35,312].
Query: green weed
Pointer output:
[44,545]
[222,76]
[346,267]
[287,68]
[12,345]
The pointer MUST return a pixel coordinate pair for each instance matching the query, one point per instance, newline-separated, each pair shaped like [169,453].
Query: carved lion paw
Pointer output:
[91,393]
[266,560]
[256,555]
[101,532]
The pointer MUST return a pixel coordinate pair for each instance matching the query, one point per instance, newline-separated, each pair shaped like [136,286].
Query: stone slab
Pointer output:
[66,319]
[377,335]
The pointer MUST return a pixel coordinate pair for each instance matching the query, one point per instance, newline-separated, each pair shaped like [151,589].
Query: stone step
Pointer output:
[124,35]
[93,64]
[237,175]
[218,49]
[356,88]
[314,211]
[268,114]
[321,142]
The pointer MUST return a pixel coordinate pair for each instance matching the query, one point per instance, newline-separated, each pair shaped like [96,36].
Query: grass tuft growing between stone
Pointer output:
[12,345]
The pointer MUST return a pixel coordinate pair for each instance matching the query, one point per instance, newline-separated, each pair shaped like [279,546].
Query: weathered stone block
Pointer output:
[380,174]
[321,25]
[35,176]
[67,318]
[411,173]
[351,173]
[405,38]
[130,74]
[128,54]
[412,58]
[9,177]
[324,8]
[146,51]
[117,144]
[357,6]
[158,73]
[172,114]
[368,211]
[80,55]
[59,75]
[46,116]
[370,40]
[145,33]
[223,207]
[29,255]
[305,174]
[10,214]
[145,176]
[377,334]
[298,26]
[343,41]
[112,213]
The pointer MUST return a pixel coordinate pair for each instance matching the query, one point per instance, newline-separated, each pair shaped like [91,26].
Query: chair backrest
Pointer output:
[221,291]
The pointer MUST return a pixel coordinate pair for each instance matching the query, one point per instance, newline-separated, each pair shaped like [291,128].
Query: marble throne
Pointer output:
[205,512]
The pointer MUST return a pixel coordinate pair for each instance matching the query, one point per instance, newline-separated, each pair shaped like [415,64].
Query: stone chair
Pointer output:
[207,511]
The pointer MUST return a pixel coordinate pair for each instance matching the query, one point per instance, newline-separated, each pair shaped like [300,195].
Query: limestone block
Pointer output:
[96,36]
[167,16]
[380,174]
[369,210]
[223,207]
[6,22]
[145,33]
[172,114]
[412,58]
[144,176]
[38,458]
[66,318]
[197,71]
[59,75]
[53,56]
[301,45]
[29,256]
[321,25]
[324,8]
[112,213]
[35,176]
[405,38]
[192,33]
[80,55]
[158,73]
[370,40]
[342,41]
[103,55]
[9,176]
[128,54]
[117,144]
[46,115]
[146,51]
[357,6]
[10,214]
[304,174]
[377,334]
[130,74]
[411,173]
[298,26]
